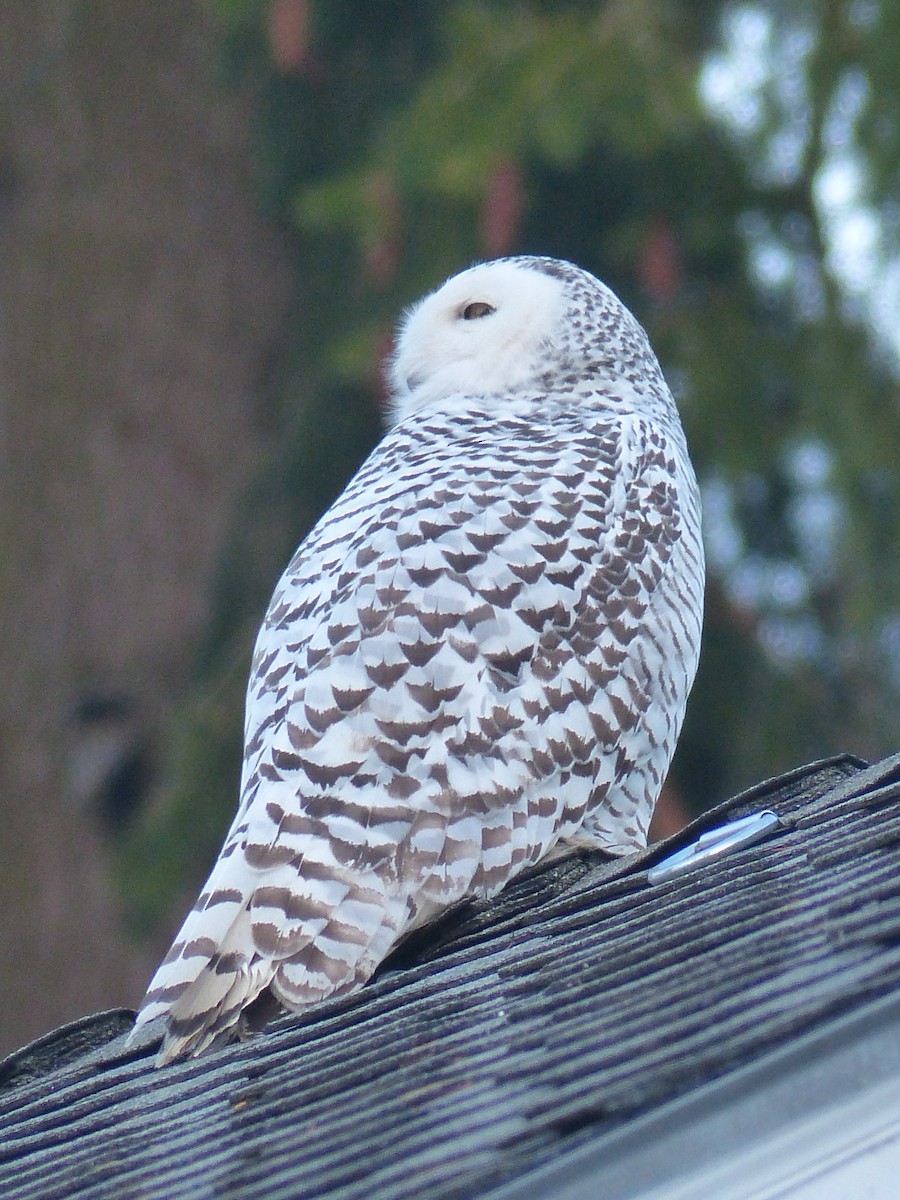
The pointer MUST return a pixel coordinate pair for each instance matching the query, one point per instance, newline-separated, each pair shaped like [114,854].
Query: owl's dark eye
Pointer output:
[478,308]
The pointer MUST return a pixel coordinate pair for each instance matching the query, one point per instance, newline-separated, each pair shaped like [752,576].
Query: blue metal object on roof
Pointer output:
[712,845]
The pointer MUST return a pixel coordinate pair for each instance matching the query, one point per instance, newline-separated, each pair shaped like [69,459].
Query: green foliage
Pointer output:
[517,82]
[163,863]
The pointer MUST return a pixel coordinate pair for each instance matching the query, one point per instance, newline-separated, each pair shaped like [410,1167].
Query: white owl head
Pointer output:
[480,333]
[522,323]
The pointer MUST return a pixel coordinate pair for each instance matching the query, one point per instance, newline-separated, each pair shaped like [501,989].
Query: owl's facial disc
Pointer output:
[477,335]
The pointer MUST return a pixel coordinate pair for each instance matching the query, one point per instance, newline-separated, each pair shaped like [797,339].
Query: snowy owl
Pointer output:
[483,649]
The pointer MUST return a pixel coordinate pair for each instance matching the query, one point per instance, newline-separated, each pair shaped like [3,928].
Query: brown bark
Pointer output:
[141,296]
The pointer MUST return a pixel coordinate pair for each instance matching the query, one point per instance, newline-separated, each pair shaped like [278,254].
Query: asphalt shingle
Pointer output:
[504,1036]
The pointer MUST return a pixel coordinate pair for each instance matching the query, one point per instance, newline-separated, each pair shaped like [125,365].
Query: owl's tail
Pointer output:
[240,940]
[211,972]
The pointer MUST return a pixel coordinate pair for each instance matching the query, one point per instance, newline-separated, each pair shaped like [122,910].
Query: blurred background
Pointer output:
[211,215]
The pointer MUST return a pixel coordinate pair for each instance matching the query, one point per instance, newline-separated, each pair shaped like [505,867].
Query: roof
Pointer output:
[587,1032]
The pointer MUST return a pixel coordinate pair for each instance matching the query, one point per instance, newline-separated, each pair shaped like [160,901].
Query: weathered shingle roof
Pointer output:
[511,1037]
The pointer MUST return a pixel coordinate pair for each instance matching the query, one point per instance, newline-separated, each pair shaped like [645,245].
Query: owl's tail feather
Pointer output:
[203,985]
[239,940]
[211,1005]
[310,927]
[340,959]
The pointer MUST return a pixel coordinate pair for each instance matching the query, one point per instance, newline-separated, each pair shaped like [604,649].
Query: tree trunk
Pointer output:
[141,298]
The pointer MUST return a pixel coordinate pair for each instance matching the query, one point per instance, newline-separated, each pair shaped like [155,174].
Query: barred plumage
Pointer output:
[483,648]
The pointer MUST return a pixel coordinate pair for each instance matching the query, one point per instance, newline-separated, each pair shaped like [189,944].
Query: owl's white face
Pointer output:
[478,333]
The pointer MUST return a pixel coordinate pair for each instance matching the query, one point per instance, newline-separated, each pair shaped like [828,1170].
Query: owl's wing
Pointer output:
[421,721]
